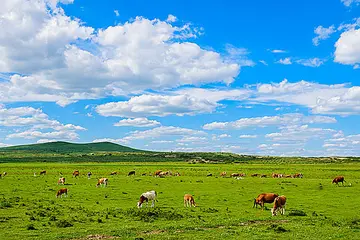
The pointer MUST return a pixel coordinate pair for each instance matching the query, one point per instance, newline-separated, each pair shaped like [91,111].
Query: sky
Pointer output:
[249,77]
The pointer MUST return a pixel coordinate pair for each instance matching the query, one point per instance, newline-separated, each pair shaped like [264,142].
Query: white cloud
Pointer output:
[264,62]
[282,120]
[224,136]
[32,134]
[348,47]
[137,122]
[171,18]
[311,62]
[117,141]
[117,13]
[322,33]
[4,145]
[70,61]
[238,55]
[348,3]
[248,136]
[189,101]
[285,61]
[278,51]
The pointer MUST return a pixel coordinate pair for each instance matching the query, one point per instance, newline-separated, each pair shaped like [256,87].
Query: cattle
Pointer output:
[131,173]
[61,181]
[339,179]
[113,173]
[298,175]
[288,176]
[279,205]
[264,198]
[145,197]
[3,175]
[189,201]
[235,175]
[223,174]
[62,191]
[255,174]
[144,174]
[157,172]
[102,181]
[277,175]
[263,176]
[209,175]
[89,175]
[177,174]
[43,172]
[76,173]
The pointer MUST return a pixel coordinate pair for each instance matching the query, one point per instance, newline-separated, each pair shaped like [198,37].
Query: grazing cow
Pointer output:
[277,175]
[62,191]
[209,175]
[255,174]
[242,174]
[235,175]
[145,197]
[223,174]
[131,173]
[43,172]
[76,173]
[263,176]
[339,179]
[61,181]
[102,181]
[189,201]
[89,175]
[157,173]
[265,198]
[177,174]
[279,205]
[113,173]
[298,175]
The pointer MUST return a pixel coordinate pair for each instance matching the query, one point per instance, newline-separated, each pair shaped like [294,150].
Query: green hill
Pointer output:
[65,147]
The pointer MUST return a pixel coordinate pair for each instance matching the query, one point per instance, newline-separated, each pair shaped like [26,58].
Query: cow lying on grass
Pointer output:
[189,201]
[264,198]
[145,197]
[279,205]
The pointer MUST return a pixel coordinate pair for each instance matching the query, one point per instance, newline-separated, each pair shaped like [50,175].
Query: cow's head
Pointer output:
[141,201]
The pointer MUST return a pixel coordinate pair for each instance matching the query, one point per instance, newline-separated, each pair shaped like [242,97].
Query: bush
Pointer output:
[30,227]
[64,223]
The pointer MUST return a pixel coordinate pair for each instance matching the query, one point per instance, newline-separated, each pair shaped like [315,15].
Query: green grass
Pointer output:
[65,147]
[29,209]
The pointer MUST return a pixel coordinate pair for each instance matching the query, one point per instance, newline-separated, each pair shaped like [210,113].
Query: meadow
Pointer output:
[315,208]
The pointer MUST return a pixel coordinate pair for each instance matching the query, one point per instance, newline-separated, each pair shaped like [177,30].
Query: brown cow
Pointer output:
[235,175]
[62,191]
[339,179]
[298,175]
[76,173]
[61,181]
[265,198]
[279,205]
[43,172]
[102,181]
[157,173]
[223,174]
[189,201]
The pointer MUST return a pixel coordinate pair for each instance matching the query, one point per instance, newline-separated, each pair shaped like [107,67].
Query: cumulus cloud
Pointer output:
[348,47]
[70,61]
[171,18]
[282,120]
[137,122]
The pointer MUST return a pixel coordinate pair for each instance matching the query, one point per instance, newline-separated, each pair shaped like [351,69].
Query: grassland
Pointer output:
[316,209]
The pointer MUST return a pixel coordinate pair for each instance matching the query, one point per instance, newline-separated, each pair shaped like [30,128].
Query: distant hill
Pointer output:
[65,147]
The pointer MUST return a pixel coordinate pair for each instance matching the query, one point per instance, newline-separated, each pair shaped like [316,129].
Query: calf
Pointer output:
[145,197]
[223,174]
[61,181]
[189,201]
[131,173]
[62,191]
[102,181]
[264,198]
[339,179]
[43,172]
[76,173]
[279,205]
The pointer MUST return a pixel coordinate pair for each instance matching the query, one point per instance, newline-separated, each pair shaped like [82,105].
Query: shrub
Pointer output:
[64,223]
[30,227]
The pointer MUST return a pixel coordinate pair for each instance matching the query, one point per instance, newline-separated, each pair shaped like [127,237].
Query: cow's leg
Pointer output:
[153,203]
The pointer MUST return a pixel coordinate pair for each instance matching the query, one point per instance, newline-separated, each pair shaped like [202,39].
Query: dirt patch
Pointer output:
[96,237]
[154,232]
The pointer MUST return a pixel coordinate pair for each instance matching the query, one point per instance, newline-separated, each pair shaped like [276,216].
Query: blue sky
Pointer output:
[254,77]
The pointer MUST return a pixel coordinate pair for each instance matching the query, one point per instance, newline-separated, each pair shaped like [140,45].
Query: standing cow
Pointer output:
[339,179]
[264,198]
[76,173]
[279,205]
[61,192]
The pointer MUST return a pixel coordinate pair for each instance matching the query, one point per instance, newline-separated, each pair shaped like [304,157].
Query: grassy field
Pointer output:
[316,209]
